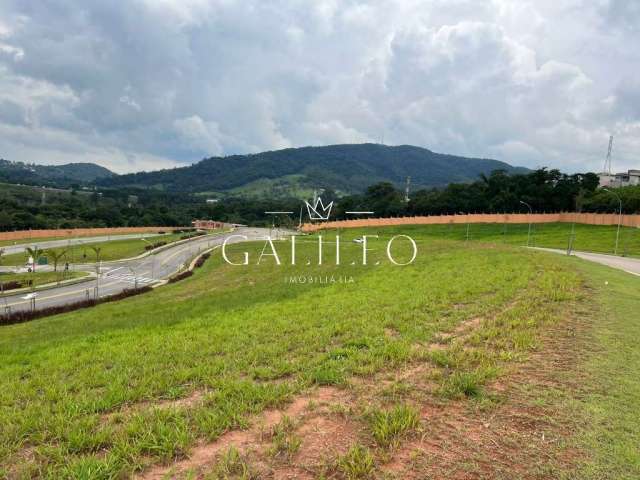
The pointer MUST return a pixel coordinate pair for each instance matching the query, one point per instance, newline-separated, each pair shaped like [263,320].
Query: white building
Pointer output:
[632,177]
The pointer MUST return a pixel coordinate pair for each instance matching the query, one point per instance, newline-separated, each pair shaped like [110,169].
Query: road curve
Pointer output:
[116,276]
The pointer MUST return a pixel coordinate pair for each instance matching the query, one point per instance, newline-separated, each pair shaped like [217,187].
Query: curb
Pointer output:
[190,268]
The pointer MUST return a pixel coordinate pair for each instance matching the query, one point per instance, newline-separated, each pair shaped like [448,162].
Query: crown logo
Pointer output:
[318,211]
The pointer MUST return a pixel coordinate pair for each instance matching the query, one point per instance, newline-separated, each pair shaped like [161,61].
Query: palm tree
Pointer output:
[56,256]
[33,252]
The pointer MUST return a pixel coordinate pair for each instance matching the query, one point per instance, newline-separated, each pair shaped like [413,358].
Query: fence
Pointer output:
[81,232]
[566,217]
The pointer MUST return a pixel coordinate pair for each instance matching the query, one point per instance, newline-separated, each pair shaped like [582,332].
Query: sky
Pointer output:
[148,84]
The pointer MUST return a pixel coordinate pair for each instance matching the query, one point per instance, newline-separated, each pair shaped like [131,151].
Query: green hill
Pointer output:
[344,168]
[51,175]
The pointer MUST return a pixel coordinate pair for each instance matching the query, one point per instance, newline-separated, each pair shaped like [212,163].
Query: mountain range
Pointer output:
[295,172]
[343,168]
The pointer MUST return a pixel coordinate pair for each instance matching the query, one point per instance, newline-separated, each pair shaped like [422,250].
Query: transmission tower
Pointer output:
[607,162]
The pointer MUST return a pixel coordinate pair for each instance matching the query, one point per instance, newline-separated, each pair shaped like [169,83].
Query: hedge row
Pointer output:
[186,274]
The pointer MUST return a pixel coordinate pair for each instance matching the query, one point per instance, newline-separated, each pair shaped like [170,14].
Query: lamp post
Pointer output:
[530,213]
[153,258]
[615,252]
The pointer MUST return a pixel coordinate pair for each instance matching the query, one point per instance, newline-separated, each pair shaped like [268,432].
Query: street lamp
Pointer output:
[153,258]
[530,213]
[615,252]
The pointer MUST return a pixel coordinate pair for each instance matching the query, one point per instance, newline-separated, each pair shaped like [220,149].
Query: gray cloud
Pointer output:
[143,84]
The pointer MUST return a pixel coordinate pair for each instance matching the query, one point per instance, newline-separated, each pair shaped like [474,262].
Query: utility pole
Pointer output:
[615,252]
[530,213]
[607,162]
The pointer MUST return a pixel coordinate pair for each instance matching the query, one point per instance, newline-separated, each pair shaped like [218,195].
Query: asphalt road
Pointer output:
[629,265]
[117,276]
[19,248]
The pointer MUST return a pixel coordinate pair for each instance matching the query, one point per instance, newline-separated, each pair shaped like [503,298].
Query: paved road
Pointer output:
[629,265]
[117,276]
[19,248]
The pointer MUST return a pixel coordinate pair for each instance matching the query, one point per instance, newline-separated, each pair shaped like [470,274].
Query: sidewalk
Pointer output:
[629,265]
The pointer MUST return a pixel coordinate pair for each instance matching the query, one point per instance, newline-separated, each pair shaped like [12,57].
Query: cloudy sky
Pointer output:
[147,84]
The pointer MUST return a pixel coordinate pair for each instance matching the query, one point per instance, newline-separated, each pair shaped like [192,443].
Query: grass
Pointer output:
[608,410]
[39,278]
[112,250]
[285,443]
[388,426]
[232,465]
[252,340]
[30,240]
[358,463]
[589,238]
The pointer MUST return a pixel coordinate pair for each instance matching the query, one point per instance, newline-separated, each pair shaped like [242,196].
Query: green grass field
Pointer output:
[85,394]
[111,250]
[588,238]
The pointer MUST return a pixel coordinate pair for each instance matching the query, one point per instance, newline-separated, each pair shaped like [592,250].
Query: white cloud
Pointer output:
[150,83]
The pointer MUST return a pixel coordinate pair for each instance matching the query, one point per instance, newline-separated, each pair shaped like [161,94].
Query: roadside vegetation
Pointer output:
[387,372]
[99,251]
[12,281]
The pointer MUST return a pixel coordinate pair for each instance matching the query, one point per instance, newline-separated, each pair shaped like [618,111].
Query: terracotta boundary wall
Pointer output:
[81,232]
[586,218]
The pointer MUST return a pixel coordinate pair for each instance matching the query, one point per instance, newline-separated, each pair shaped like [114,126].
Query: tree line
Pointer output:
[24,208]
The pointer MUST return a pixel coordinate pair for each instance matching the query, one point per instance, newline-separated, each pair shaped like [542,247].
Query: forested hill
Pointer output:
[51,175]
[344,168]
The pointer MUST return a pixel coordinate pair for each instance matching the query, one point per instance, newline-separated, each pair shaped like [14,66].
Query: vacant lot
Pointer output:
[588,238]
[478,361]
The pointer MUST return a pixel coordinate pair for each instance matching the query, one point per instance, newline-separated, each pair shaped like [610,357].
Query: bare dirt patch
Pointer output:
[253,442]
[519,437]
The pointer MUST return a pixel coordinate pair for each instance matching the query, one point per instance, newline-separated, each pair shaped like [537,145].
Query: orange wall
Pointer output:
[80,232]
[586,218]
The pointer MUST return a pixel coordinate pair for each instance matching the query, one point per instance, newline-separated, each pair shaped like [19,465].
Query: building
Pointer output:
[631,178]
[207,224]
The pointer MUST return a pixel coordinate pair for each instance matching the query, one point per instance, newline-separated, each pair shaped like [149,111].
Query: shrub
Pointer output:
[180,276]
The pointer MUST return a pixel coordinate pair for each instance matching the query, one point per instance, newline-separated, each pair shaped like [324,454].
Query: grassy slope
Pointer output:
[254,340]
[113,250]
[609,409]
[251,341]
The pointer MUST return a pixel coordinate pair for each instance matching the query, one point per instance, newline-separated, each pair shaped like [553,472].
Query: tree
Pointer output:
[56,256]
